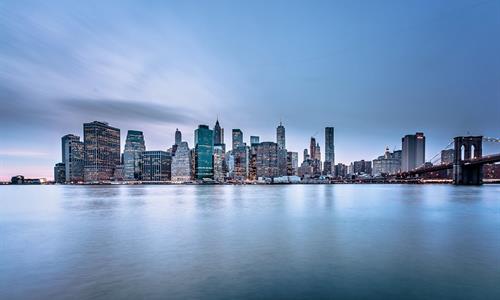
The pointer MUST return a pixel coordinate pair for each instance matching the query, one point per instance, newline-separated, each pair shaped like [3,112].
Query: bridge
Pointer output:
[467,164]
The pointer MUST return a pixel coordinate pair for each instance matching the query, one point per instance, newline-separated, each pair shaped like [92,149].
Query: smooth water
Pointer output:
[233,242]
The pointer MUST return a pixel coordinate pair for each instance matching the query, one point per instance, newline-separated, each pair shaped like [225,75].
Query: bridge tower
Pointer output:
[467,148]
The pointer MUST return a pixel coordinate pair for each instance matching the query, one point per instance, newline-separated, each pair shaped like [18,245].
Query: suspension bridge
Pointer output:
[467,164]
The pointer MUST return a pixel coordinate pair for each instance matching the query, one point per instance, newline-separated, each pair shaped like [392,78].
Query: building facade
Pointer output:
[267,160]
[132,155]
[292,163]
[156,166]
[181,164]
[59,173]
[204,151]
[102,151]
[73,158]
[178,137]
[329,151]
[413,151]
[237,138]
[219,159]
[280,137]
[387,164]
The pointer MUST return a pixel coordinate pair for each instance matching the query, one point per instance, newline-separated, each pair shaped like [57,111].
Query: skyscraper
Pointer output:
[292,163]
[312,148]
[72,158]
[237,138]
[178,137]
[156,166]
[102,151]
[218,163]
[204,150]
[132,155]
[267,159]
[181,164]
[59,173]
[218,134]
[413,151]
[329,150]
[241,161]
[254,140]
[280,137]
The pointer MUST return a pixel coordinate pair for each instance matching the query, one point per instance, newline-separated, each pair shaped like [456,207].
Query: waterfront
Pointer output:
[235,241]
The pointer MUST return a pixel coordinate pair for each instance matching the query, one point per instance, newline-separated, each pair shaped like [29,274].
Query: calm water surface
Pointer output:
[233,242]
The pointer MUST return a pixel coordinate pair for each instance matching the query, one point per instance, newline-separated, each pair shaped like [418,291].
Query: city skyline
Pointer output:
[406,67]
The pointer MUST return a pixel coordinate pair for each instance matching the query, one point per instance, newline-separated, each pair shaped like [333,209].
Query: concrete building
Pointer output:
[241,162]
[254,140]
[280,137]
[59,173]
[219,163]
[389,163]
[237,138]
[292,163]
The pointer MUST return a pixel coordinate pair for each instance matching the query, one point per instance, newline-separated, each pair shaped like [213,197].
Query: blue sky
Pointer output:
[375,70]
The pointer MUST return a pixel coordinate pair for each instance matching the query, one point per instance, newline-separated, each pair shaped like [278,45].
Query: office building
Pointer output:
[282,162]
[204,151]
[156,165]
[387,164]
[329,151]
[181,164]
[254,140]
[292,163]
[59,173]
[132,155]
[102,151]
[241,162]
[267,160]
[73,158]
[219,163]
[413,151]
[237,138]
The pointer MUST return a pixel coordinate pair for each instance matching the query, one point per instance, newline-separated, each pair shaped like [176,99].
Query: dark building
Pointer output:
[362,167]
[282,162]
[254,140]
[413,151]
[102,151]
[341,170]
[218,134]
[19,179]
[132,155]
[204,151]
[267,160]
[178,137]
[156,166]
[59,173]
[73,153]
[329,151]
[241,162]
[292,163]
[280,137]
[237,138]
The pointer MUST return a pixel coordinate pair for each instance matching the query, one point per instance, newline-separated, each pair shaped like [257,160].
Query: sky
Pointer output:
[375,70]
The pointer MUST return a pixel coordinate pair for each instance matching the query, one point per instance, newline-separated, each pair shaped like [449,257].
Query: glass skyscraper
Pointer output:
[204,150]
[280,137]
[178,137]
[102,151]
[132,155]
[329,151]
[413,151]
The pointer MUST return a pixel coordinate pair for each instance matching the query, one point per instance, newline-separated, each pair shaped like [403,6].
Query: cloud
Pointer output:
[121,109]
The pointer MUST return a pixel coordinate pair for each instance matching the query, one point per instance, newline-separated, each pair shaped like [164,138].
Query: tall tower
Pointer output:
[102,151]
[329,150]
[280,137]
[237,138]
[178,137]
[312,148]
[413,151]
[218,134]
[204,150]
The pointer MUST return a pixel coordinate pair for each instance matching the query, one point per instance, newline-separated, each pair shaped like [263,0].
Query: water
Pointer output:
[232,242]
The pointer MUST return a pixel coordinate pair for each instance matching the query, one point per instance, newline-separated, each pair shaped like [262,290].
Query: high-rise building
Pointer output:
[254,140]
[280,137]
[282,162]
[219,163]
[59,173]
[267,159]
[181,163]
[229,162]
[413,151]
[156,166]
[318,152]
[102,151]
[132,155]
[329,151]
[312,148]
[306,155]
[178,137]
[252,165]
[241,161]
[73,158]
[218,134]
[204,151]
[389,163]
[341,170]
[292,163]
[237,138]
[362,167]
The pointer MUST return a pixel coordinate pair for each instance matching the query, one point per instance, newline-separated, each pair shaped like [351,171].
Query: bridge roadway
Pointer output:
[487,159]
